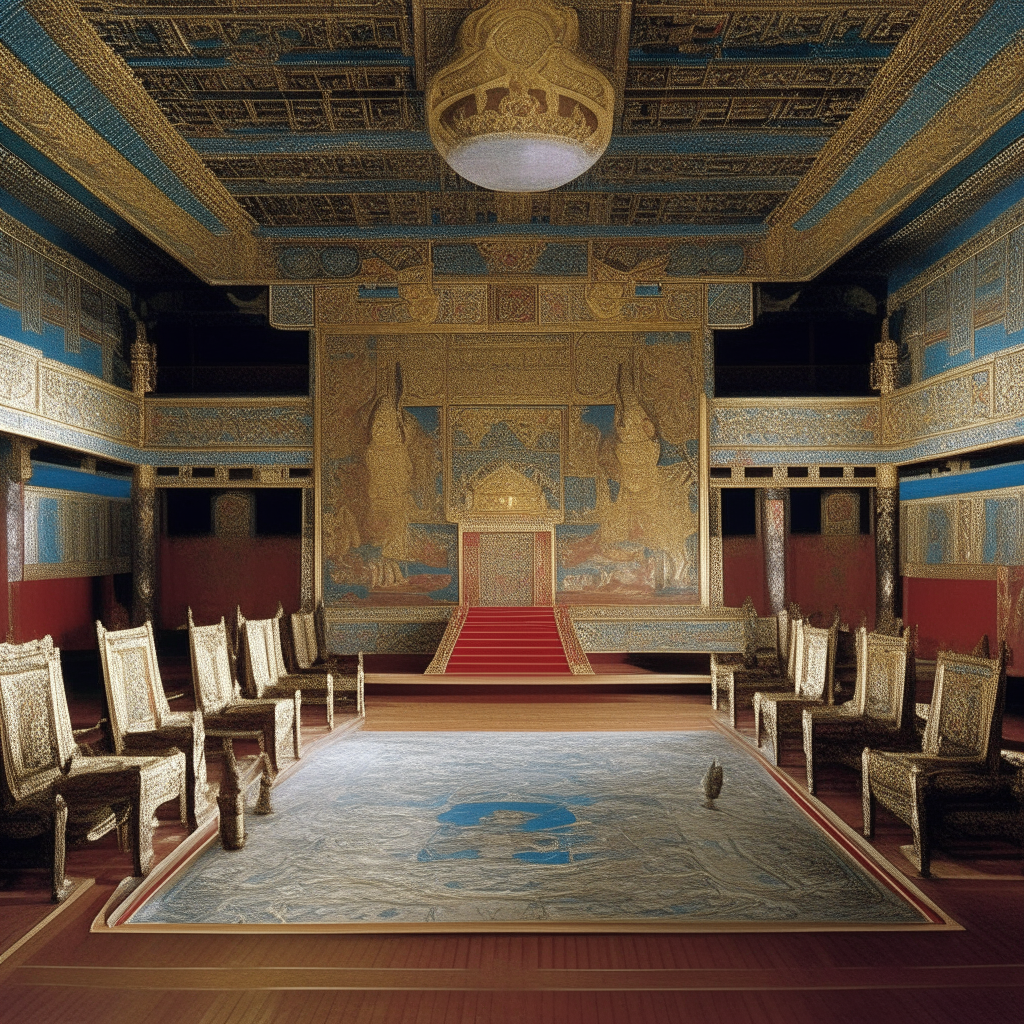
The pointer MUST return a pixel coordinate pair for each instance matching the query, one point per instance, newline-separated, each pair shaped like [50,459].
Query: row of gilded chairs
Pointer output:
[61,790]
[938,767]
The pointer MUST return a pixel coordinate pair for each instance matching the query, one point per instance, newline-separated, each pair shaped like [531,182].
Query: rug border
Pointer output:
[113,917]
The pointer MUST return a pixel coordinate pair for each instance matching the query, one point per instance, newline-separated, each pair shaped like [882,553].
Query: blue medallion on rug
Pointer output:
[462,827]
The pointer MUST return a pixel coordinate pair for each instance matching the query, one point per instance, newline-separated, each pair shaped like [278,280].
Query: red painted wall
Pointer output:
[63,608]
[214,574]
[950,614]
[4,586]
[743,572]
[822,572]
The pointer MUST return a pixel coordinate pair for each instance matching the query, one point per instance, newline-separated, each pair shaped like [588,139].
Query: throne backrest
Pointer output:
[211,666]
[135,693]
[883,662]
[35,726]
[818,664]
[966,715]
[782,634]
[259,655]
[304,639]
[795,661]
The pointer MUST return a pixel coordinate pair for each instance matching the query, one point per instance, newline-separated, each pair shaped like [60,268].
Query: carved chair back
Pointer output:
[136,701]
[883,664]
[304,639]
[214,682]
[795,661]
[782,634]
[261,668]
[966,716]
[35,726]
[818,663]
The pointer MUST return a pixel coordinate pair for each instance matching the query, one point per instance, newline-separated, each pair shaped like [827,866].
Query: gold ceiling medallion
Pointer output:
[518,110]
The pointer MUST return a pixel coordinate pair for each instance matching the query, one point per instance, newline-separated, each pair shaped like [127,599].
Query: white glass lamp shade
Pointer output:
[510,163]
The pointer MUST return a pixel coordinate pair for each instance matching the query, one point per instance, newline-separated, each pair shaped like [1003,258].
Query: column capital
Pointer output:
[887,475]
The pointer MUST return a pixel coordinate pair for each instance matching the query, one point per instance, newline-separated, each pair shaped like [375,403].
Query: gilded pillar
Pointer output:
[715,545]
[887,546]
[307,582]
[144,536]
[773,538]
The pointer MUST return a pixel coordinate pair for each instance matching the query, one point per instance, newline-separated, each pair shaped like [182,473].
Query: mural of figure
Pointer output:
[389,483]
[636,450]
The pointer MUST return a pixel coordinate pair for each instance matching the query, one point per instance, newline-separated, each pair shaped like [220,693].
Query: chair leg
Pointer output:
[263,804]
[330,703]
[732,701]
[867,800]
[758,722]
[61,886]
[231,800]
[919,826]
[297,732]
[141,832]
[770,718]
[808,727]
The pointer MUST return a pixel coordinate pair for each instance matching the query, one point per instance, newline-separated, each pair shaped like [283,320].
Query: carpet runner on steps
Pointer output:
[510,641]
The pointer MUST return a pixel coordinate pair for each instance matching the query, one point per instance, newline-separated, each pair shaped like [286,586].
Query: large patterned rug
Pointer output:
[422,831]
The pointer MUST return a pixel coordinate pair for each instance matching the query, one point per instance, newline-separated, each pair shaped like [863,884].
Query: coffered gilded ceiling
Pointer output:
[230,134]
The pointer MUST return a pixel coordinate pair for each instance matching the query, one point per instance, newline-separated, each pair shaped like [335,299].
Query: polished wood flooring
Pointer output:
[67,974]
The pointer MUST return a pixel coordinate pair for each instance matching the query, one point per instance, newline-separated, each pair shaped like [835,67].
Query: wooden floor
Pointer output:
[67,974]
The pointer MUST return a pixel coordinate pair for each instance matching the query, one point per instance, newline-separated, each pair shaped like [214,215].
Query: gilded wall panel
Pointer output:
[250,423]
[963,536]
[834,424]
[18,375]
[72,398]
[71,534]
[953,403]
[596,433]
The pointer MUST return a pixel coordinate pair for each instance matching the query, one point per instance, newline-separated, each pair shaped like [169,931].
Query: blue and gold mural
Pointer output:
[594,435]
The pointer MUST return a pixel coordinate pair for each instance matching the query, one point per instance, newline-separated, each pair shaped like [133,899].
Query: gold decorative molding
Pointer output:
[950,571]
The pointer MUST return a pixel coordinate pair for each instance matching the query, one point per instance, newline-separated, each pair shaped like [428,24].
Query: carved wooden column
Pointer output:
[144,538]
[887,498]
[16,470]
[773,538]
[887,547]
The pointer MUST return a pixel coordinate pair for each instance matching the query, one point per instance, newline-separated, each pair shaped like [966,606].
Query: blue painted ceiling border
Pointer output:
[552,233]
[723,143]
[62,478]
[989,479]
[954,70]
[263,187]
[71,245]
[30,43]
[956,236]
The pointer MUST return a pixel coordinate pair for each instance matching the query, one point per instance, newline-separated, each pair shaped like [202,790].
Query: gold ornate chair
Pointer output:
[305,651]
[265,674]
[141,721]
[879,713]
[49,788]
[959,763]
[778,714]
[740,684]
[226,713]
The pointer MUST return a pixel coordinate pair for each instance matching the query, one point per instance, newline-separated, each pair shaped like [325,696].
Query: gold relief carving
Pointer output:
[81,401]
[972,571]
[531,372]
[596,363]
[507,256]
[1009,383]
[334,304]
[505,490]
[422,361]
[963,548]
[18,374]
[462,304]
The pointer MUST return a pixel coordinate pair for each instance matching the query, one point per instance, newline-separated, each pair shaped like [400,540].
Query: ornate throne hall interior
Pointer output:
[667,338]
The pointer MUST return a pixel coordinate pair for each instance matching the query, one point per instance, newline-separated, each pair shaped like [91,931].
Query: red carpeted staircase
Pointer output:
[508,641]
